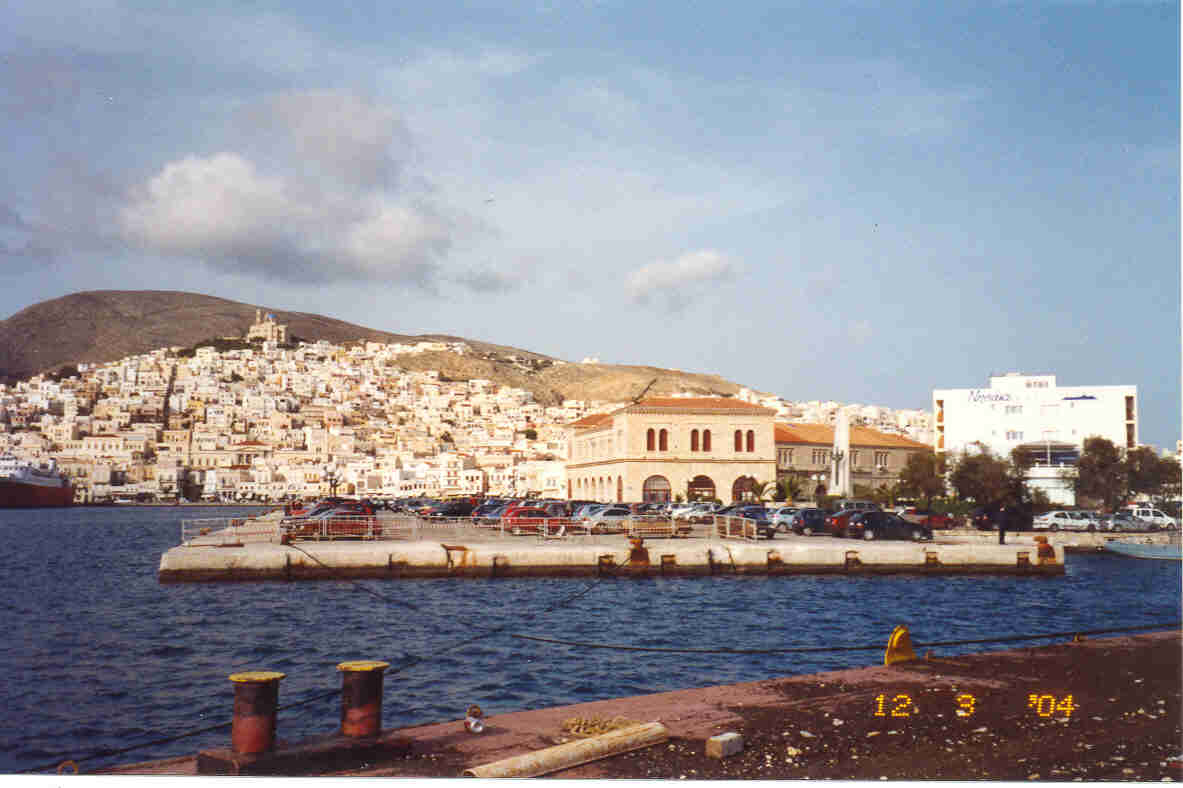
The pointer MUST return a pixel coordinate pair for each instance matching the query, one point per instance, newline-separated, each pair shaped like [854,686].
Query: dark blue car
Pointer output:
[885,525]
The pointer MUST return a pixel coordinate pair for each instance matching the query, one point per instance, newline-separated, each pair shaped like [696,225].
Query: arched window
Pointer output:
[656,490]
[663,441]
[743,490]
[706,440]
[650,440]
[619,489]
[700,488]
[739,440]
[693,440]
[751,440]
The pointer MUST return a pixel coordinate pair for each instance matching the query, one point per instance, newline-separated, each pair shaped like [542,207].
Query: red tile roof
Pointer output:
[823,435]
[698,404]
[594,420]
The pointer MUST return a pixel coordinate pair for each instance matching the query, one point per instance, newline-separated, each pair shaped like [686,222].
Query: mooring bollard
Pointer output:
[361,697]
[256,697]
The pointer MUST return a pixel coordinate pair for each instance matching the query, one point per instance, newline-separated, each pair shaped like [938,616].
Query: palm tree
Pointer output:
[791,487]
[760,489]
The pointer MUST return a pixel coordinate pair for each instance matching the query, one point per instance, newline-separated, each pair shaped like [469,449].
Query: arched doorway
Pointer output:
[656,490]
[619,489]
[742,489]
[700,488]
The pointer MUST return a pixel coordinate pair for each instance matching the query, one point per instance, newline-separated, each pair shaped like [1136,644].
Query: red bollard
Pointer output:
[361,697]
[256,697]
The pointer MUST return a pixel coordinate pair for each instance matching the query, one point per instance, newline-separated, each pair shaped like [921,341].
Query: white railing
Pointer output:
[350,526]
[225,531]
[728,527]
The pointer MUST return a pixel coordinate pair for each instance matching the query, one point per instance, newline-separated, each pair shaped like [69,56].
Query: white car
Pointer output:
[1063,521]
[1155,517]
[609,519]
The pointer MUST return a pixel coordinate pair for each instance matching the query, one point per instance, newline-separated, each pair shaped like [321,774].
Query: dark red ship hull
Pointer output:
[18,495]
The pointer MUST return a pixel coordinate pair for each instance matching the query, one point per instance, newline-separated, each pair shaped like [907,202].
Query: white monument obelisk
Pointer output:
[840,456]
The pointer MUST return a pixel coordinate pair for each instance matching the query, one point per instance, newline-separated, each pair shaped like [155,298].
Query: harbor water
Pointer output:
[97,656]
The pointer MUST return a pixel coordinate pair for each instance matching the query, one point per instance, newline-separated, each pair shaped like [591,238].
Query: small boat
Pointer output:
[1171,551]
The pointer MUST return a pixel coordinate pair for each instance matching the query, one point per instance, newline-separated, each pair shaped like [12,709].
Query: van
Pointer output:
[1155,517]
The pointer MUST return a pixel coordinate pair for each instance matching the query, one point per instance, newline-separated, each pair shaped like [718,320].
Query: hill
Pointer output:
[107,325]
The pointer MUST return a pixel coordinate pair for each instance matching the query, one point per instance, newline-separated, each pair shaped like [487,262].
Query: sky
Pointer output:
[850,201]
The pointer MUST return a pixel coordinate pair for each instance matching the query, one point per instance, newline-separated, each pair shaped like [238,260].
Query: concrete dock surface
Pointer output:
[257,550]
[1099,709]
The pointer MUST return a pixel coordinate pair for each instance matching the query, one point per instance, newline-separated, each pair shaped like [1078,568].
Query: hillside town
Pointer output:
[265,419]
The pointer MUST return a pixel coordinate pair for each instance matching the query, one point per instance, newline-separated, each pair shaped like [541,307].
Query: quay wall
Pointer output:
[313,560]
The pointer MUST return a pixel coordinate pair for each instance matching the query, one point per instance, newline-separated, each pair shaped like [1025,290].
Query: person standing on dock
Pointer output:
[1002,516]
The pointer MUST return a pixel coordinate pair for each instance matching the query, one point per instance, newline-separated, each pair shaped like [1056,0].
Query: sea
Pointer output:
[102,665]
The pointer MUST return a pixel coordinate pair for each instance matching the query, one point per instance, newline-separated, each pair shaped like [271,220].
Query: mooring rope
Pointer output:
[337,691]
[836,649]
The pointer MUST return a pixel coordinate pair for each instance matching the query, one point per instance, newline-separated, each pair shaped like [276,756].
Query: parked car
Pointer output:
[701,513]
[588,509]
[610,519]
[836,522]
[489,511]
[527,520]
[762,517]
[461,507]
[1125,521]
[983,518]
[782,518]
[751,511]
[871,525]
[932,519]
[1061,520]
[808,522]
[842,504]
[1155,517]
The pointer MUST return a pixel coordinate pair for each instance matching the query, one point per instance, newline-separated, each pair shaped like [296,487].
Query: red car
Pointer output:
[925,517]
[533,520]
[836,523]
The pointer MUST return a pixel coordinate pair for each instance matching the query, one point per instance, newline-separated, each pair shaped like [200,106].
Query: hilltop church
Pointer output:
[267,329]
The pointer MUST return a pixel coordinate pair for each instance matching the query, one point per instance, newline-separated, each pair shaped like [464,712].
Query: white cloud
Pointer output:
[674,278]
[222,210]
[325,194]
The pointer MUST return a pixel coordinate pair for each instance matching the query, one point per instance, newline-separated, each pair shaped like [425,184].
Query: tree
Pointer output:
[790,488]
[984,478]
[923,476]
[760,489]
[1101,473]
[1149,474]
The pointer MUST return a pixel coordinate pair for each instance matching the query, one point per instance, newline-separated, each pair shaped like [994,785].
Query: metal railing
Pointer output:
[226,531]
[350,526]
[728,527]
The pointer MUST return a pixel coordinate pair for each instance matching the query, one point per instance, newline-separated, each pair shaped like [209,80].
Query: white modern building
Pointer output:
[1035,414]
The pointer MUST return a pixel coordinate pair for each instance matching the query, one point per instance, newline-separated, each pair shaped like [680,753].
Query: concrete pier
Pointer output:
[1091,709]
[477,555]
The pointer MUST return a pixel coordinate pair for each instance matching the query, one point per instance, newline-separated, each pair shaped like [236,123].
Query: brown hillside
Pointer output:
[106,325]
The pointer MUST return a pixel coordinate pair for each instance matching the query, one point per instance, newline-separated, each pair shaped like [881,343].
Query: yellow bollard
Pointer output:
[899,646]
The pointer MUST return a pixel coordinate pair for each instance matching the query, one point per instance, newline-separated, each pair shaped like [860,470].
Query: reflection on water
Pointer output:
[98,655]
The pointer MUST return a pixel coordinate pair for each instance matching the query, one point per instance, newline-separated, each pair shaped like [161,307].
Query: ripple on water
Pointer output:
[99,655]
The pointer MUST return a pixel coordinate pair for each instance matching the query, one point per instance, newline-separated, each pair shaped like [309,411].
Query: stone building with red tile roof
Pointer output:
[663,448]
[876,458]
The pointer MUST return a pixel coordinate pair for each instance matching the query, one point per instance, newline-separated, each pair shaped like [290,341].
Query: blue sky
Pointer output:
[852,201]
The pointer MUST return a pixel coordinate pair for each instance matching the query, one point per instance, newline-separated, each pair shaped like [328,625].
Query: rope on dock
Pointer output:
[337,691]
[822,649]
